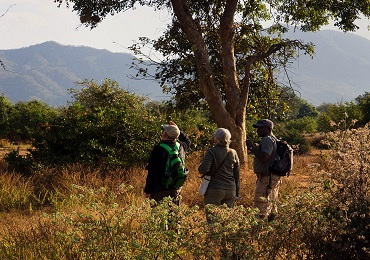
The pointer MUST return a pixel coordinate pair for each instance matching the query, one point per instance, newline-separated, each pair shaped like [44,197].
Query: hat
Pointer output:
[172,131]
[264,122]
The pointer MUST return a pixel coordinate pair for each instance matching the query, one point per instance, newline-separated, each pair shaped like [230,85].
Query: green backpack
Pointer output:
[176,173]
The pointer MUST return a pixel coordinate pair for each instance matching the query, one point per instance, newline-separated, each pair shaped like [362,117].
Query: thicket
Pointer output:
[106,218]
[103,126]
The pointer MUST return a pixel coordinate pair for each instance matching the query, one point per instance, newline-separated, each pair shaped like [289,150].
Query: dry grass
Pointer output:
[128,185]
[70,190]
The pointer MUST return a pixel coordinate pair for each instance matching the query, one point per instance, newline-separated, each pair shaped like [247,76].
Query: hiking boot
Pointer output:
[271,217]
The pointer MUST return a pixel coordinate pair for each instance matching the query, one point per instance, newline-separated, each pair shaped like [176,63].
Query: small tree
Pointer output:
[221,47]
[5,111]
[28,120]
[104,125]
[363,102]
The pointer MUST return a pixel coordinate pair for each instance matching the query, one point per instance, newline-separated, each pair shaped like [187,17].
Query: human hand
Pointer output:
[249,143]
[172,123]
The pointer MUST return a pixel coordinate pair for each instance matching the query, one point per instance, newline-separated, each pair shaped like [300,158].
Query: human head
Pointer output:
[264,127]
[172,131]
[222,136]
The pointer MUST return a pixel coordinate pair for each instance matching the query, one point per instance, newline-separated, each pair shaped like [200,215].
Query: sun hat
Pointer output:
[172,131]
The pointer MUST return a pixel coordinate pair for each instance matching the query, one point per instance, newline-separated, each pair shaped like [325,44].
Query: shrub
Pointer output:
[104,126]
[339,116]
[348,174]
[293,132]
[29,120]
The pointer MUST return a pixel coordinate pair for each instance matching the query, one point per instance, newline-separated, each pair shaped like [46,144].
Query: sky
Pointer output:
[29,22]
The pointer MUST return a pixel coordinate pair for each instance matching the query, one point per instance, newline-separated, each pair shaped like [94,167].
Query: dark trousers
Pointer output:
[174,194]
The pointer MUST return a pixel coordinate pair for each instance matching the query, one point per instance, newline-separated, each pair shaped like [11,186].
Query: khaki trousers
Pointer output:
[265,197]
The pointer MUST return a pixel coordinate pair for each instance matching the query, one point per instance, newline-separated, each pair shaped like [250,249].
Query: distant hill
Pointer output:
[46,71]
[339,71]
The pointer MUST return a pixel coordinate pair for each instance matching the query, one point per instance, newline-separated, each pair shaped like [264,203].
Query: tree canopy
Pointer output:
[221,53]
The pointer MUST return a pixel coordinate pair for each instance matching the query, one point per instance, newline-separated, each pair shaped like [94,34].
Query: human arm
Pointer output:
[183,138]
[205,166]
[154,169]
[261,151]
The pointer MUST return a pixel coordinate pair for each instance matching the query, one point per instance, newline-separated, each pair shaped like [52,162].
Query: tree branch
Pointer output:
[227,33]
[194,34]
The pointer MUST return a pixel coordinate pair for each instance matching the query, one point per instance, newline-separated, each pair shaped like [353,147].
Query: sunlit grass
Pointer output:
[79,212]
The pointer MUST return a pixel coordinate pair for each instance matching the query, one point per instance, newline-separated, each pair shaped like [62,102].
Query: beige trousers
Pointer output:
[265,197]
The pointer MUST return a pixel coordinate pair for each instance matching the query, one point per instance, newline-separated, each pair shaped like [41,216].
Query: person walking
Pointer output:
[222,164]
[267,184]
[154,187]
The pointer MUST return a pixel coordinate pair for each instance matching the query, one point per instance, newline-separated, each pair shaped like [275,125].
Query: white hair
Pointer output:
[223,136]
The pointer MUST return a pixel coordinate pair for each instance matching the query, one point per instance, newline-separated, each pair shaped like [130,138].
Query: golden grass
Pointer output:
[65,185]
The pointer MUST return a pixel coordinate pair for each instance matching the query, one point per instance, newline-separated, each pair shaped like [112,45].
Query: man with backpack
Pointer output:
[268,183]
[166,168]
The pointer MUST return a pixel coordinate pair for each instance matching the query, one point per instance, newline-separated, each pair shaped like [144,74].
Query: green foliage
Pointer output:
[29,120]
[338,116]
[197,124]
[5,111]
[18,163]
[293,132]
[363,102]
[105,125]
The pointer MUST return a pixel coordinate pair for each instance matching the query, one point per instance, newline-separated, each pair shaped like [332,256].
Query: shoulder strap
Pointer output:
[218,167]
[175,149]
[172,151]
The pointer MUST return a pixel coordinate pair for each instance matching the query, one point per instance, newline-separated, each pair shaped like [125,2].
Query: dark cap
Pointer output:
[264,122]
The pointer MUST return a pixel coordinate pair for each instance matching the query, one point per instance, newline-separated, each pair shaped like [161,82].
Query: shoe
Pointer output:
[271,217]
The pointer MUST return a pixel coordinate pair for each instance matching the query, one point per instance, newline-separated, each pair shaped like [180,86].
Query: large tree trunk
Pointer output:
[233,115]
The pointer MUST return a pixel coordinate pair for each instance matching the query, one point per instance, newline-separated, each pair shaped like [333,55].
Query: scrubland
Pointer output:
[76,212]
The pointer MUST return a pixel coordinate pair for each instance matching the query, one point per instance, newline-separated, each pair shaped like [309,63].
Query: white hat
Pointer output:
[172,131]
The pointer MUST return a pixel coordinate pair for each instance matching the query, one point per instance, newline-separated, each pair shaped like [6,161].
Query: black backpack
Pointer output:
[283,160]
[176,172]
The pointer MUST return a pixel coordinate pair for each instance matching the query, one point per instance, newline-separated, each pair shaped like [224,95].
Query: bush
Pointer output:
[29,120]
[349,233]
[104,126]
[339,116]
[293,132]
[108,126]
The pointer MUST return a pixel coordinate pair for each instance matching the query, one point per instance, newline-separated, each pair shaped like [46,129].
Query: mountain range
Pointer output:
[338,72]
[48,70]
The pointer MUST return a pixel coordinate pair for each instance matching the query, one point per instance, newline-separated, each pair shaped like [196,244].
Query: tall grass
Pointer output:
[97,214]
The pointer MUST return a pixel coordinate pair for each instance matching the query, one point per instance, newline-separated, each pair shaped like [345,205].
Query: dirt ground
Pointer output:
[6,147]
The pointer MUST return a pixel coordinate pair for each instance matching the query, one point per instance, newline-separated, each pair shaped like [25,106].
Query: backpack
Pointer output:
[283,160]
[176,173]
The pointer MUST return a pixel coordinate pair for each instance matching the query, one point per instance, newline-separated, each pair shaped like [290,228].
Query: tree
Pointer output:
[338,116]
[363,102]
[5,111]
[104,125]
[221,48]
[28,120]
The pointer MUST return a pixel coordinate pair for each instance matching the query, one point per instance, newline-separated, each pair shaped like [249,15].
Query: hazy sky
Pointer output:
[29,22]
